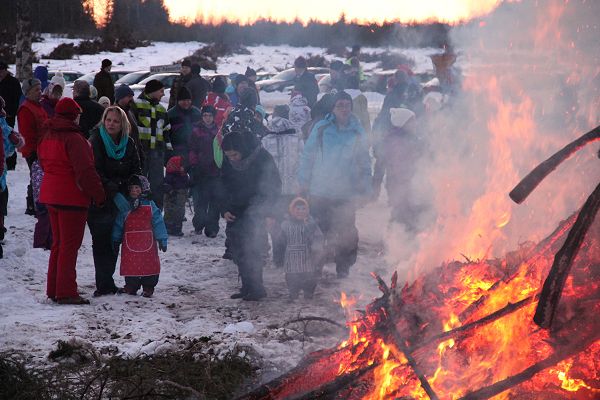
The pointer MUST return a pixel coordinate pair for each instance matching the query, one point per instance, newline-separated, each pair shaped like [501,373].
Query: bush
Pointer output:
[64,51]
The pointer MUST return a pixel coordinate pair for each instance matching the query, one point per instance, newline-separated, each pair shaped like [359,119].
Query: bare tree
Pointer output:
[24,35]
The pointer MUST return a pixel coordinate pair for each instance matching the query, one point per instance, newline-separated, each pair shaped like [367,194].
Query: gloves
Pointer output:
[169,146]
[116,246]
[162,245]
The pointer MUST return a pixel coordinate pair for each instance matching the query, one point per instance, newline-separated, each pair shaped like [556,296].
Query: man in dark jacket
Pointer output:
[92,111]
[252,187]
[103,81]
[198,86]
[181,80]
[183,117]
[10,91]
[305,82]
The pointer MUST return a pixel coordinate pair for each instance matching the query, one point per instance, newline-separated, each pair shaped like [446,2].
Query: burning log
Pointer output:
[555,282]
[533,179]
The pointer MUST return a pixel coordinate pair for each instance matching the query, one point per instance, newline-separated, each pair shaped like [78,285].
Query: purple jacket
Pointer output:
[201,157]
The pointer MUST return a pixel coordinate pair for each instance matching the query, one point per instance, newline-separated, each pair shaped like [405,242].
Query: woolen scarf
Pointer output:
[114,151]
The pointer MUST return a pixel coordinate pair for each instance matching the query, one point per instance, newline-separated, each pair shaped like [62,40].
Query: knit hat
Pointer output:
[175,165]
[186,63]
[239,78]
[296,201]
[141,181]
[28,84]
[341,95]
[152,86]
[184,94]
[208,109]
[123,91]
[106,63]
[300,62]
[249,72]
[336,65]
[68,108]
[219,85]
[58,79]
[400,116]
[104,101]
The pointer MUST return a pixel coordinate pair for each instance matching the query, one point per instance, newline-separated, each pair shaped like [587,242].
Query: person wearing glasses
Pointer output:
[335,173]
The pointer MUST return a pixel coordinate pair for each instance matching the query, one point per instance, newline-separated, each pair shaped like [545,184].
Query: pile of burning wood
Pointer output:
[476,329]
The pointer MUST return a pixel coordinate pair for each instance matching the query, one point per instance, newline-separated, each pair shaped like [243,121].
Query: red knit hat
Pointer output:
[67,107]
[174,165]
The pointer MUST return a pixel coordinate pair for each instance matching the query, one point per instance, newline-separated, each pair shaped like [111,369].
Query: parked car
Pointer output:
[70,76]
[115,75]
[284,80]
[376,82]
[132,78]
[166,78]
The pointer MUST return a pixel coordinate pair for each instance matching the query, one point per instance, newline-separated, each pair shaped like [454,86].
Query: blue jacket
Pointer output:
[335,163]
[9,149]
[158,224]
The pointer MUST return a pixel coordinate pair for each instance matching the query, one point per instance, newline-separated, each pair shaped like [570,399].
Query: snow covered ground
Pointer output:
[192,297]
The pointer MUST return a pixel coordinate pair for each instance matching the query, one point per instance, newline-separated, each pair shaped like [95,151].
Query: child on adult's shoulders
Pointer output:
[304,248]
[141,230]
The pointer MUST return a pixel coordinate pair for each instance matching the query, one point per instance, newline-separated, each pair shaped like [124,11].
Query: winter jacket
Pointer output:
[114,173]
[241,119]
[335,163]
[252,190]
[31,120]
[104,84]
[197,86]
[139,229]
[307,85]
[48,104]
[299,111]
[91,115]
[182,124]
[304,245]
[10,90]
[201,157]
[221,103]
[70,178]
[286,149]
[153,123]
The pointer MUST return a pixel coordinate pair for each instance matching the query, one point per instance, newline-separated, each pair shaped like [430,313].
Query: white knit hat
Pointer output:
[400,116]
[104,101]
[58,79]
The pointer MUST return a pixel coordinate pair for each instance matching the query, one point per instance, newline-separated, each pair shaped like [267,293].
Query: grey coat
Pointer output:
[304,246]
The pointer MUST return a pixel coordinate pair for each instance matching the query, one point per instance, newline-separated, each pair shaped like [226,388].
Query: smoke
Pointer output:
[531,85]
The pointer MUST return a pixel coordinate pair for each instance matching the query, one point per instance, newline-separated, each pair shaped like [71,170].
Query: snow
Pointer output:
[192,297]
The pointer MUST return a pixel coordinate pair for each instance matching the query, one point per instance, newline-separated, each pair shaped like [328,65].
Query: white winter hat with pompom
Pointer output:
[58,79]
[400,116]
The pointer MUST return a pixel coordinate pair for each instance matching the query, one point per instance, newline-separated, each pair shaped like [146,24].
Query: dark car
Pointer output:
[285,79]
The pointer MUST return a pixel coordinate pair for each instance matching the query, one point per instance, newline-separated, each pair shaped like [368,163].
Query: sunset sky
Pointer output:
[361,11]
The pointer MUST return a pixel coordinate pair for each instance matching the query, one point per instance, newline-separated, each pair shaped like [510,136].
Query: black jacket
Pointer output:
[92,114]
[254,190]
[114,173]
[10,90]
[105,85]
[307,85]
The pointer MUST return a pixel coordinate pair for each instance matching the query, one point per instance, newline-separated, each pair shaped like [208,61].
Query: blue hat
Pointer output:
[122,91]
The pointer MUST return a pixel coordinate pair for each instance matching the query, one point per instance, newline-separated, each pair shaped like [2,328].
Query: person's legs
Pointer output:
[132,284]
[170,217]
[344,226]
[53,260]
[156,175]
[30,210]
[254,245]
[105,258]
[199,206]
[293,285]
[213,209]
[179,210]
[148,284]
[71,224]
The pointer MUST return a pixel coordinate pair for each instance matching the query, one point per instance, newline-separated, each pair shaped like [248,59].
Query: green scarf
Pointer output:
[114,151]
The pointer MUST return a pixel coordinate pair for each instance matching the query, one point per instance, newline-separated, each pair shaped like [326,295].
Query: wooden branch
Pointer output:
[562,354]
[533,179]
[555,282]
[313,318]
[508,309]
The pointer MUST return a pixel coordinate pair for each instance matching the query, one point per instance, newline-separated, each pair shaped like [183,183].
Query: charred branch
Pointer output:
[533,179]
[555,282]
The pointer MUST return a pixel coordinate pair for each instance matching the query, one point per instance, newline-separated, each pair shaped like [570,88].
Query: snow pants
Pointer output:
[175,209]
[68,226]
[248,242]
[100,223]
[205,194]
[305,281]
[337,220]
[135,282]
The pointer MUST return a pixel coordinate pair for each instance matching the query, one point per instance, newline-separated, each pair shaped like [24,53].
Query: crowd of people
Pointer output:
[127,166]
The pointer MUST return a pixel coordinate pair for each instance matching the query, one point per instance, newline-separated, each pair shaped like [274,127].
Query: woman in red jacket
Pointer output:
[69,185]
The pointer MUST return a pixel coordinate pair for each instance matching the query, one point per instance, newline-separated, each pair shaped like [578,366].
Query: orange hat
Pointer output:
[295,201]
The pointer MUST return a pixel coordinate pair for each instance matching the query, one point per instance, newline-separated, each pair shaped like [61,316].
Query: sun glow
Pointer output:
[376,11]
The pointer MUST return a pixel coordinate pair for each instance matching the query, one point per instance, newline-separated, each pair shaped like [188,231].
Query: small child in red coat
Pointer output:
[139,226]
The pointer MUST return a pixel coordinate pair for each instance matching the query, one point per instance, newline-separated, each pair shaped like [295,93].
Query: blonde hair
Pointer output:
[125,125]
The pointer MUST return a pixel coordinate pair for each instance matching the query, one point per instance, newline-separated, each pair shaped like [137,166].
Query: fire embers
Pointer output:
[465,331]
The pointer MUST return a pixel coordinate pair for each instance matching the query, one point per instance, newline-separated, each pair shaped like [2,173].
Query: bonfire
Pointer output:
[466,330]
